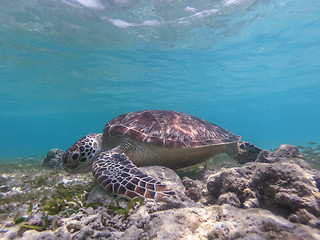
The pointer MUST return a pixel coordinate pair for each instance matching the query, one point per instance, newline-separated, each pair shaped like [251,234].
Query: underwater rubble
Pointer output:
[275,197]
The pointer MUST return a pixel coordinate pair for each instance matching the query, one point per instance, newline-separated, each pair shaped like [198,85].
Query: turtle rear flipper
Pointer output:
[117,174]
[246,152]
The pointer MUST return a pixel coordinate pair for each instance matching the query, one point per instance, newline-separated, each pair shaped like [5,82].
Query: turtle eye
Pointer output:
[75,156]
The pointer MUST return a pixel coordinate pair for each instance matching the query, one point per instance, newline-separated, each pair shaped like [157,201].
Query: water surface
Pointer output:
[67,67]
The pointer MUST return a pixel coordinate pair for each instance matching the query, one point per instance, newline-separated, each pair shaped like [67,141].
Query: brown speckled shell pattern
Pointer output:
[168,129]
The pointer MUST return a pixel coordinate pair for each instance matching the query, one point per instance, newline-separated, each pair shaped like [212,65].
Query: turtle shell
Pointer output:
[168,129]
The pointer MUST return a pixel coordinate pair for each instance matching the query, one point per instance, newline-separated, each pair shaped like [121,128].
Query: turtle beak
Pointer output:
[68,163]
[65,158]
[72,163]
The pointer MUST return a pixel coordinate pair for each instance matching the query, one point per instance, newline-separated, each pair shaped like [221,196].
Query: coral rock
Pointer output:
[53,158]
[279,181]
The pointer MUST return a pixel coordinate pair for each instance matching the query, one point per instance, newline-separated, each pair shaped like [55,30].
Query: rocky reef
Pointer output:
[53,158]
[279,181]
[275,197]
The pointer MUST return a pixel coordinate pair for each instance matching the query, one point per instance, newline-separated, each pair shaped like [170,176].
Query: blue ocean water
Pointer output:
[69,66]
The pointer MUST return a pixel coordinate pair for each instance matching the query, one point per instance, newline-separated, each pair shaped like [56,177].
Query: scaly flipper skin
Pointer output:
[117,174]
[246,152]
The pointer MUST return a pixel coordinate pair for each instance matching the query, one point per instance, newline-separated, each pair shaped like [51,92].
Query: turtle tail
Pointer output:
[118,175]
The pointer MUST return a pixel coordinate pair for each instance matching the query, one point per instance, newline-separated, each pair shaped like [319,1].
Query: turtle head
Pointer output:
[79,157]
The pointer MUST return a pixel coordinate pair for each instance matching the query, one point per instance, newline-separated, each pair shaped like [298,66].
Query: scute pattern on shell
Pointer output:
[169,129]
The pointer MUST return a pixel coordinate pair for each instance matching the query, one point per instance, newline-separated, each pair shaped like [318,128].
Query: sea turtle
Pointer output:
[150,137]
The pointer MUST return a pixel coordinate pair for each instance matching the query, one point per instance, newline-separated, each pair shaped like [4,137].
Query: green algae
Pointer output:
[65,200]
[39,190]
[48,192]
[125,211]
[60,201]
[32,186]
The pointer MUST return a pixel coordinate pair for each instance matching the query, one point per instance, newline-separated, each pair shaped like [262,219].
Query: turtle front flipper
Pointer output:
[117,174]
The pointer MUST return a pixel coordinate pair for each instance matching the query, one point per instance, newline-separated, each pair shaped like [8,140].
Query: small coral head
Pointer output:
[79,157]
